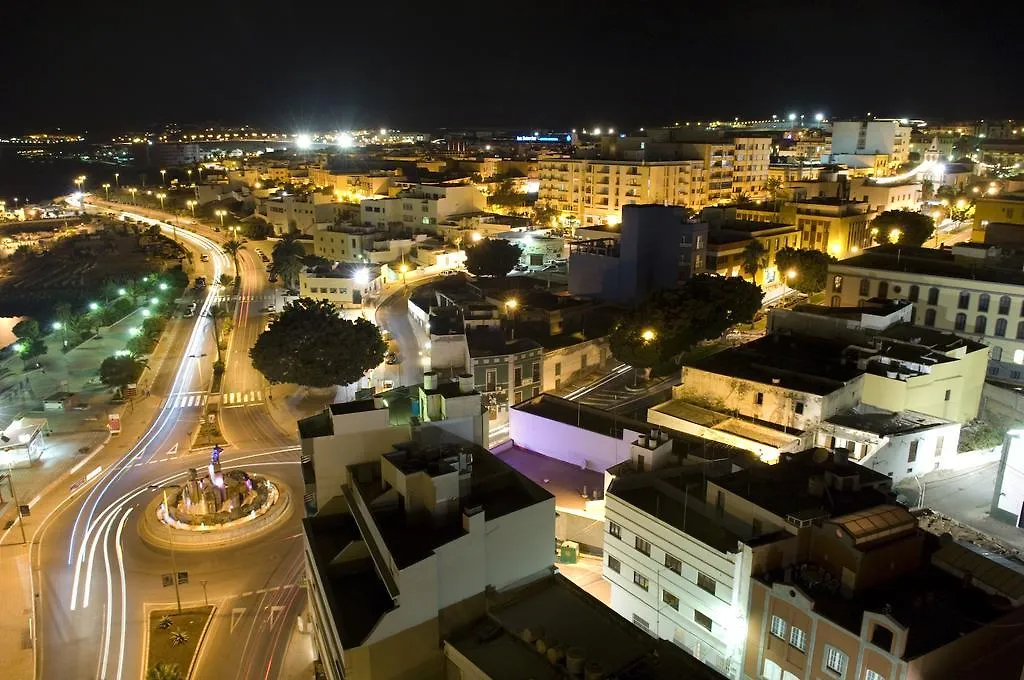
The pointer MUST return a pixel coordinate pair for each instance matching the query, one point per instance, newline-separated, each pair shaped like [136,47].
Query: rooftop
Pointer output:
[489,342]
[783,488]
[562,613]
[789,362]
[885,423]
[931,262]
[488,483]
[566,481]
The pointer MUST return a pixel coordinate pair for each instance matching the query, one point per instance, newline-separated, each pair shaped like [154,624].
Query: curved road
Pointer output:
[96,578]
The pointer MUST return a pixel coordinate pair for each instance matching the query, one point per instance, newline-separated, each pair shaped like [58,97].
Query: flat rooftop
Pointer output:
[782,489]
[759,431]
[564,613]
[791,362]
[885,423]
[931,262]
[565,481]
[491,484]
[488,342]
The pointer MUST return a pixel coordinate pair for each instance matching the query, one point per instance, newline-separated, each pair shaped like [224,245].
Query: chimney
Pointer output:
[430,380]
[466,383]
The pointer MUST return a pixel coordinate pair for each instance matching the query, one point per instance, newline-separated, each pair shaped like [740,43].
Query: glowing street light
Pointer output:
[791,274]
[154,300]
[961,203]
[19,347]
[146,313]
[819,117]
[303,141]
[362,276]
[78,182]
[117,179]
[106,189]
[122,292]
[163,286]
[93,306]
[477,237]
[345,140]
[134,331]
[220,214]
[161,196]
[132,191]
[792,117]
[191,205]
[648,335]
[894,234]
[163,177]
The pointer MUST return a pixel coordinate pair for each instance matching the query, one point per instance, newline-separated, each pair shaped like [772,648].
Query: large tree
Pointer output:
[671,322]
[492,257]
[905,227]
[286,259]
[506,195]
[26,329]
[310,344]
[121,371]
[231,248]
[805,270]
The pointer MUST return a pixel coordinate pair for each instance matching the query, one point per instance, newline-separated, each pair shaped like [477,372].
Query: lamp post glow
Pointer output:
[648,335]
[132,191]
[894,235]
[191,205]
[161,196]
[220,214]
[117,179]
[122,292]
[93,306]
[511,305]
[106,189]
[163,177]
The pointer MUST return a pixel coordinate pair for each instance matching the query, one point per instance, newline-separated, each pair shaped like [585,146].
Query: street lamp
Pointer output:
[170,538]
[648,335]
[163,177]
[511,305]
[117,180]
[189,171]
[192,206]
[122,292]
[132,191]
[404,269]
[894,234]
[93,306]
[163,286]
[106,189]
[58,326]
[161,196]
[78,182]
[220,214]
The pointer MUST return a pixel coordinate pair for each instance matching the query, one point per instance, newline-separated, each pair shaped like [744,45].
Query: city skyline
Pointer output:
[522,65]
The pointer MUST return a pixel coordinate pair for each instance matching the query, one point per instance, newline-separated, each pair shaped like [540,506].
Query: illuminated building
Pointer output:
[872,137]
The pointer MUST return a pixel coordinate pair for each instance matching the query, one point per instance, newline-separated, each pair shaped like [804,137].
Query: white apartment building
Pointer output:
[297,213]
[872,137]
[422,206]
[881,197]
[346,284]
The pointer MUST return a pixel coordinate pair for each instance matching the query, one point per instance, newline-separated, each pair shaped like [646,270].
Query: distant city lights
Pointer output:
[303,141]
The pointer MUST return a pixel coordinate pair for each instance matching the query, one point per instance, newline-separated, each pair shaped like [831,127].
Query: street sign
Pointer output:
[182,578]
[167,580]
[131,390]
[24,510]
[114,423]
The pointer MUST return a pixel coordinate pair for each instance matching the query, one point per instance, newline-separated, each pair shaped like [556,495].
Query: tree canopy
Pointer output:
[805,270]
[286,259]
[120,371]
[310,344]
[26,329]
[492,257]
[506,195]
[755,257]
[671,322]
[906,227]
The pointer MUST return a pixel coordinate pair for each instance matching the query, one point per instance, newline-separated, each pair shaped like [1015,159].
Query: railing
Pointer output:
[372,537]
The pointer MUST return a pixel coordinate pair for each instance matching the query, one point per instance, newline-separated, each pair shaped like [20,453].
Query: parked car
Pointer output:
[204,258]
[269,309]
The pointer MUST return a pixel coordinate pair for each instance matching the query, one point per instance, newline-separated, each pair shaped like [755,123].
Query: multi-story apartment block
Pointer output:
[422,206]
[727,242]
[345,284]
[1001,209]
[882,196]
[968,290]
[872,137]
[594,191]
[836,226]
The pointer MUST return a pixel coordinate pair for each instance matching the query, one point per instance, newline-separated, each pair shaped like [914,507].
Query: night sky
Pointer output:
[110,65]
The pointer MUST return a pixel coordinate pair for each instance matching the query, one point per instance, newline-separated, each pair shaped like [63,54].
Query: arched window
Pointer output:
[929,317]
[980,324]
[933,296]
[965,300]
[1004,304]
[1001,328]
[961,322]
[914,293]
[883,289]
[983,302]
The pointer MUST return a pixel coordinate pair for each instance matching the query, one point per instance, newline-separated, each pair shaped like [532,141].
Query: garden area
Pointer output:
[174,640]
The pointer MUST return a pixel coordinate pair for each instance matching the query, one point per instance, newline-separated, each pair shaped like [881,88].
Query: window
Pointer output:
[798,638]
[705,582]
[912,456]
[798,407]
[983,302]
[615,530]
[837,284]
[883,289]
[641,580]
[995,353]
[871,675]
[914,293]
[759,398]
[702,619]
[964,302]
[1018,356]
[637,621]
[1020,330]
[865,287]
[961,322]
[933,296]
[642,545]
[949,393]
[929,317]
[536,372]
[882,637]
[670,599]
[778,627]
[673,564]
[835,661]
[518,376]
[1001,328]
[614,564]
[772,670]
[558,368]
[980,324]
[1004,304]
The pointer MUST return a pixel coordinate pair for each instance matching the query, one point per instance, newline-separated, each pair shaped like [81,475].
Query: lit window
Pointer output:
[871,675]
[615,530]
[670,599]
[673,564]
[705,582]
[702,619]
[835,661]
[778,627]
[641,580]
[798,638]
[642,545]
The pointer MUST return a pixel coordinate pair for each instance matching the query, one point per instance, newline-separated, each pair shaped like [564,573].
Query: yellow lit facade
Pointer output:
[1002,208]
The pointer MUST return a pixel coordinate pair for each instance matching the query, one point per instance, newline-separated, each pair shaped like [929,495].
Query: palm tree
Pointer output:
[755,258]
[165,671]
[216,314]
[287,258]
[231,248]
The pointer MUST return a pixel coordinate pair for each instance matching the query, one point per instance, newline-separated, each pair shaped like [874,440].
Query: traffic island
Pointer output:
[174,638]
[215,509]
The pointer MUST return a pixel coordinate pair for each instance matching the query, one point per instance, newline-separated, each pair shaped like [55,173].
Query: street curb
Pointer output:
[199,644]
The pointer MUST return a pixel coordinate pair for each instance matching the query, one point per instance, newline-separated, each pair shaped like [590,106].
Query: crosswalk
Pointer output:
[221,299]
[232,399]
[187,400]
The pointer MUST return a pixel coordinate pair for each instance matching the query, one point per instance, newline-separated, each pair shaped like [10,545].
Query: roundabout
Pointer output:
[214,509]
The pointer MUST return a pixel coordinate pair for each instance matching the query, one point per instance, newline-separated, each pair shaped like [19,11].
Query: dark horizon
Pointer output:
[120,67]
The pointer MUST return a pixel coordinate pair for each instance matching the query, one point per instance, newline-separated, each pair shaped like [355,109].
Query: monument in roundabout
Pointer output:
[214,508]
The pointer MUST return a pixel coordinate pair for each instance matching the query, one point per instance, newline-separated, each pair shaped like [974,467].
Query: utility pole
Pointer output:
[14,497]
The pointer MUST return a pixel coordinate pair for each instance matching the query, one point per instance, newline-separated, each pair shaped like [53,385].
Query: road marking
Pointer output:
[236,616]
[245,398]
[173,451]
[274,611]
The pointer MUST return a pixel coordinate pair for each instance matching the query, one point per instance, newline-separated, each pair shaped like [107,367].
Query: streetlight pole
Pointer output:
[132,191]
[163,177]
[106,190]
[117,180]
